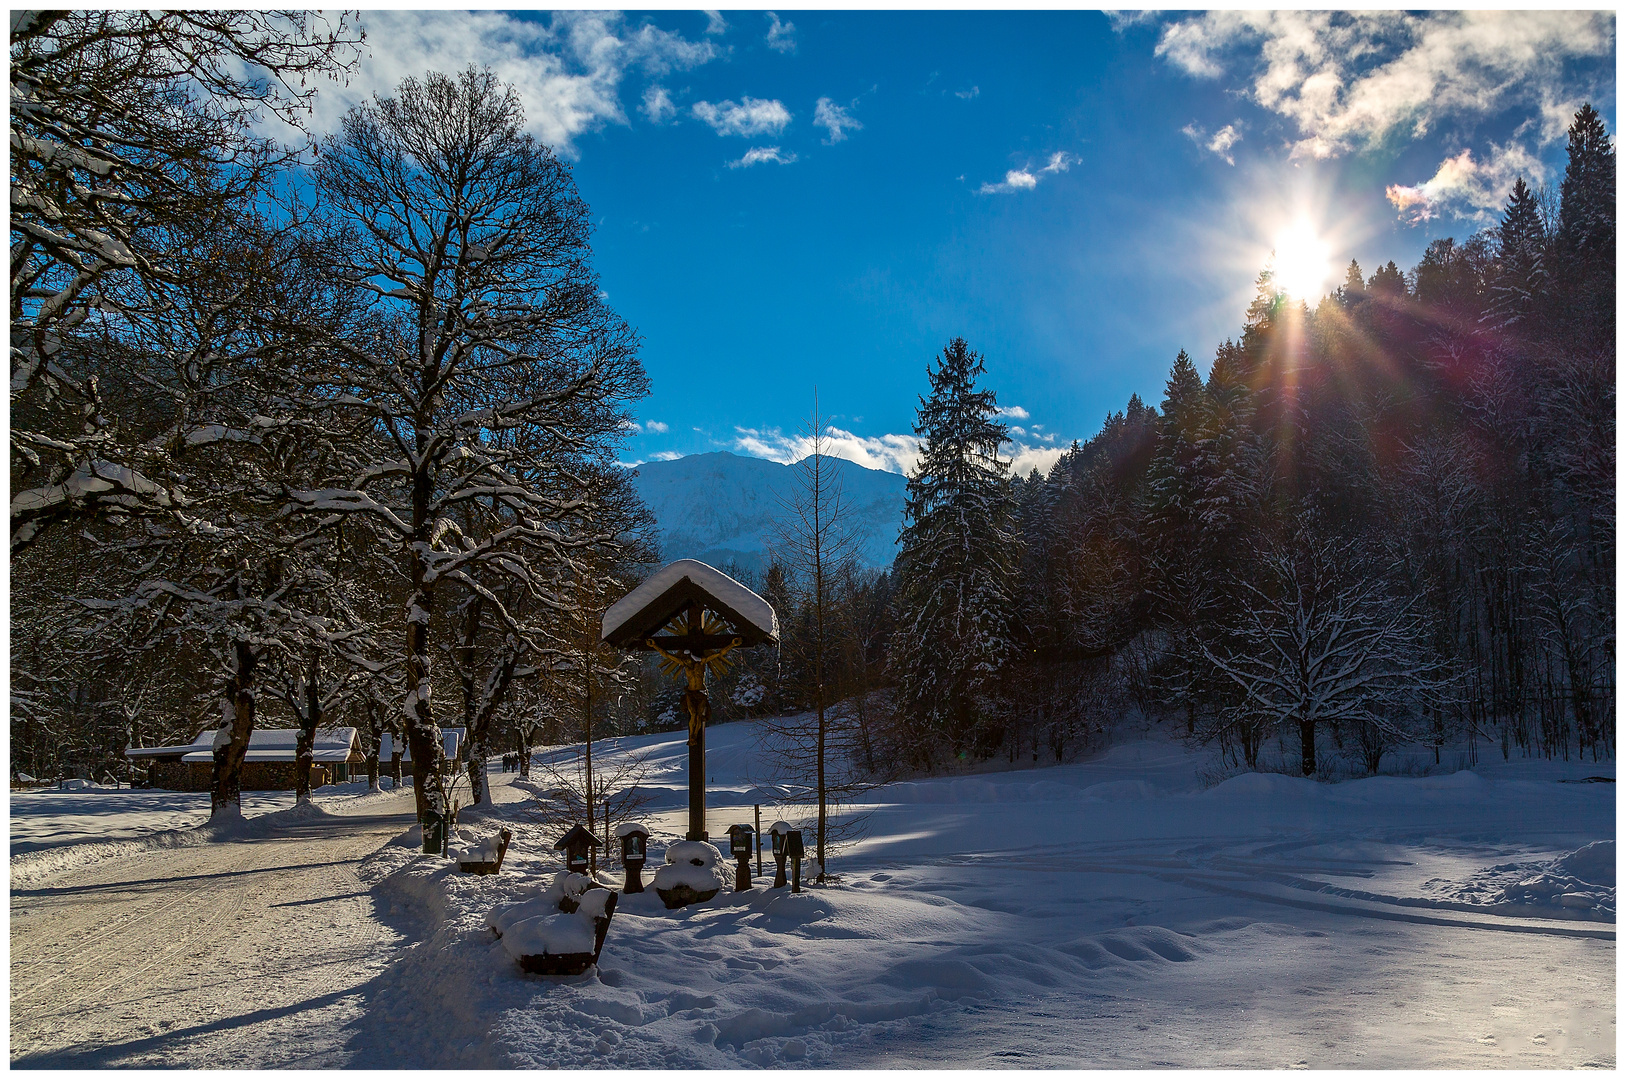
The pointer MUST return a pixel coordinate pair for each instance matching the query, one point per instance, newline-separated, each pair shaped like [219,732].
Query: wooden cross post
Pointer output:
[689,659]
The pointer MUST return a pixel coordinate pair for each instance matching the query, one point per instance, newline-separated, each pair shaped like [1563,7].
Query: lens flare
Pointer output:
[1302,263]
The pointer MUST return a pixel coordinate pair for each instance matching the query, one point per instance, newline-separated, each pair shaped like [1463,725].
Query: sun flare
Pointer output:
[1302,263]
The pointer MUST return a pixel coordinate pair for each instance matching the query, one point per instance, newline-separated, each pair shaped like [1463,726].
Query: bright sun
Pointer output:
[1303,262]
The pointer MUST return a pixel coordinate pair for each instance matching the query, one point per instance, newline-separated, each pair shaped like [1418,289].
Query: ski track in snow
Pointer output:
[1110,913]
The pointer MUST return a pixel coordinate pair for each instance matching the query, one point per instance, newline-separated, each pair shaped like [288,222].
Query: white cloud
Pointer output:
[968,94]
[1016,412]
[1060,161]
[656,426]
[667,455]
[891,453]
[1219,144]
[658,107]
[1024,459]
[568,71]
[1015,180]
[1466,188]
[1348,80]
[1122,20]
[715,23]
[758,155]
[781,35]
[1025,180]
[752,116]
[832,117]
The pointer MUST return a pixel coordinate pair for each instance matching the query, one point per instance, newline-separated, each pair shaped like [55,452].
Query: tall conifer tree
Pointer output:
[956,570]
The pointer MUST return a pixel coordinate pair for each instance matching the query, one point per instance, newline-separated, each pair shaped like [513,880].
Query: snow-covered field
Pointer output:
[1114,912]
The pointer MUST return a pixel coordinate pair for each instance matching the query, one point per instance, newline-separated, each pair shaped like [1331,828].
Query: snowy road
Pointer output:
[245,954]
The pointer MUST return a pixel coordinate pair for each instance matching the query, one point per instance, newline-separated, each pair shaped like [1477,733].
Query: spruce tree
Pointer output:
[1586,230]
[1172,483]
[1521,264]
[1353,290]
[957,567]
[1388,281]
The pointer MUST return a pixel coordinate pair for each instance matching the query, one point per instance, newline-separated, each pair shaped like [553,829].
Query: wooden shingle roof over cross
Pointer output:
[689,586]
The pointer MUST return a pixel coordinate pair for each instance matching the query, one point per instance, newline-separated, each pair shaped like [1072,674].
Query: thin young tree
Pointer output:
[816,541]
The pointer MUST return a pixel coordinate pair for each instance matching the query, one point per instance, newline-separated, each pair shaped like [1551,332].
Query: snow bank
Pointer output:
[1580,883]
[1594,863]
[1095,914]
[70,814]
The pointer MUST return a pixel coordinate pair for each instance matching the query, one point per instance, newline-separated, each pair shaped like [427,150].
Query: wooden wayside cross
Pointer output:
[693,615]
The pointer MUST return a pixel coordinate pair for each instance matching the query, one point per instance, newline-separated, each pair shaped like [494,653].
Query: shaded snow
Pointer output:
[1116,912]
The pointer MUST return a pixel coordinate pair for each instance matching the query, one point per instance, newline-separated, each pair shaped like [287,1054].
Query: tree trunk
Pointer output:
[523,744]
[1307,746]
[226,792]
[587,714]
[479,787]
[423,735]
[310,719]
[375,730]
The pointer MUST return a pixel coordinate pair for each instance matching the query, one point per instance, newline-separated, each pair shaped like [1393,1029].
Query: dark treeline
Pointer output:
[1388,520]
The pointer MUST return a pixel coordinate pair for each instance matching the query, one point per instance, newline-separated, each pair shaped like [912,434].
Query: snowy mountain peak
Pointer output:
[722,507]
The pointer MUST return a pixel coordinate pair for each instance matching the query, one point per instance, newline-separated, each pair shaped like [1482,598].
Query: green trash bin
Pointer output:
[434,833]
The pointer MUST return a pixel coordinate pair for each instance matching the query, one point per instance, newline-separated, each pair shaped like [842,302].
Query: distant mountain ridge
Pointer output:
[722,507]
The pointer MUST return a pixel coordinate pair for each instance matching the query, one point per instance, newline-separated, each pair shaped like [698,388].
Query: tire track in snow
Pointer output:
[153,933]
[245,953]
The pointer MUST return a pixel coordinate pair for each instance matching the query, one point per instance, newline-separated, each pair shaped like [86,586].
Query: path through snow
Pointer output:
[249,953]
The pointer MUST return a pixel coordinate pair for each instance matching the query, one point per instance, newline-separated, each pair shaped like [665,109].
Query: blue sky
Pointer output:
[805,198]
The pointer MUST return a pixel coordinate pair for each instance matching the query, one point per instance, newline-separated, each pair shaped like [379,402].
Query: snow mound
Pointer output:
[1389,790]
[1137,945]
[481,850]
[560,932]
[557,920]
[692,863]
[1594,864]
[1580,883]
[1256,785]
[978,790]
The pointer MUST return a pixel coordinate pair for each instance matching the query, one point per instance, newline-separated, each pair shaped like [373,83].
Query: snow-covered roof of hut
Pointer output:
[204,743]
[644,611]
[451,739]
[278,744]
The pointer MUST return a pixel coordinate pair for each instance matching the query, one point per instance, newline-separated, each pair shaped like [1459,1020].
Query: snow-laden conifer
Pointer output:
[956,588]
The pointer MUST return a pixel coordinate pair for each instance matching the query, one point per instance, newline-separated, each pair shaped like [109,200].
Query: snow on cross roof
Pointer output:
[645,610]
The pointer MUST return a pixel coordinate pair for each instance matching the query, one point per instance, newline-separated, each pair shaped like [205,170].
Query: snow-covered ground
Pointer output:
[1114,912]
[244,947]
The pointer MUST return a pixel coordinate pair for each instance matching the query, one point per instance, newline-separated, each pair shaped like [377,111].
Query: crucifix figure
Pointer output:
[693,616]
